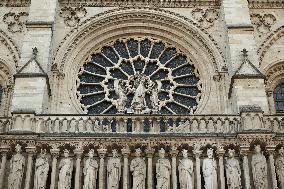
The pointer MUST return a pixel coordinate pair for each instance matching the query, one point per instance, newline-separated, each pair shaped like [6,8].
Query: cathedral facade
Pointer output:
[142,94]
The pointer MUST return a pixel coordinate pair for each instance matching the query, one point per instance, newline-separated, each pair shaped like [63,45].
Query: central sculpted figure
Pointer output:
[17,166]
[41,171]
[209,169]
[279,163]
[113,171]
[138,169]
[65,171]
[259,169]
[138,101]
[233,171]
[163,171]
[90,171]
[185,172]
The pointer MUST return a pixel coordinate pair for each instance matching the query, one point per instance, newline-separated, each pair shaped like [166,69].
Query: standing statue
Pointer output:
[138,169]
[122,98]
[90,171]
[113,171]
[41,171]
[279,163]
[17,165]
[163,171]
[138,101]
[233,171]
[209,169]
[185,169]
[259,169]
[65,171]
[156,88]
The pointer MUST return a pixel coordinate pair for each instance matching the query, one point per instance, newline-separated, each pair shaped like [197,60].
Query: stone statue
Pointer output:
[17,165]
[156,88]
[279,163]
[113,171]
[65,171]
[120,103]
[233,171]
[209,169]
[138,169]
[41,171]
[90,171]
[185,169]
[163,171]
[259,169]
[138,102]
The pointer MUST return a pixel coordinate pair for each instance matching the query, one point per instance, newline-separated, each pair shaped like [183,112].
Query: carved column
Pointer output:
[30,151]
[197,152]
[78,152]
[4,150]
[102,152]
[125,151]
[271,151]
[150,153]
[55,155]
[174,153]
[246,176]
[221,153]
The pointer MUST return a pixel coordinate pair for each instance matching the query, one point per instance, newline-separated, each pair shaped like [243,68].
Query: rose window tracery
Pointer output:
[139,76]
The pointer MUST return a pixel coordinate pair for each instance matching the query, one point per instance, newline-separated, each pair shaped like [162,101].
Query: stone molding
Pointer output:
[269,41]
[15,3]
[72,16]
[261,4]
[263,22]
[15,21]
[137,3]
[11,46]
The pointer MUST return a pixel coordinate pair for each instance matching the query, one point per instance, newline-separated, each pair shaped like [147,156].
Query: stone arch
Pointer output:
[11,47]
[8,62]
[119,23]
[274,76]
[270,40]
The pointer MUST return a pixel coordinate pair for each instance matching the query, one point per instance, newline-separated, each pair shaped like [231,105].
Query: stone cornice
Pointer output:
[140,3]
[266,4]
[14,3]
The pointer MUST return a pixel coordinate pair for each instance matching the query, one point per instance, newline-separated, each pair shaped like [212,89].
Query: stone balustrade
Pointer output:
[127,124]
[153,124]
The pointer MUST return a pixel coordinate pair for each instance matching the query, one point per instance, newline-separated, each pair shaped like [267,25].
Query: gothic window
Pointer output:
[139,76]
[279,98]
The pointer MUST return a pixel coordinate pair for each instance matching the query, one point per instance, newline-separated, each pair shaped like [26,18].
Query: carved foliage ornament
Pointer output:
[139,76]
[15,21]
[72,16]
[263,23]
[205,17]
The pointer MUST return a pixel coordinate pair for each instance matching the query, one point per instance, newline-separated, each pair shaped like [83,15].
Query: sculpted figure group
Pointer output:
[138,170]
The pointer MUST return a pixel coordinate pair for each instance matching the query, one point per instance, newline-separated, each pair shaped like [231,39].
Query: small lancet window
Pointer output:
[278,96]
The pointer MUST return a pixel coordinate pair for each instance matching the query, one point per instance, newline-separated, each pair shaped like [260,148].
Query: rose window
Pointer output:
[140,76]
